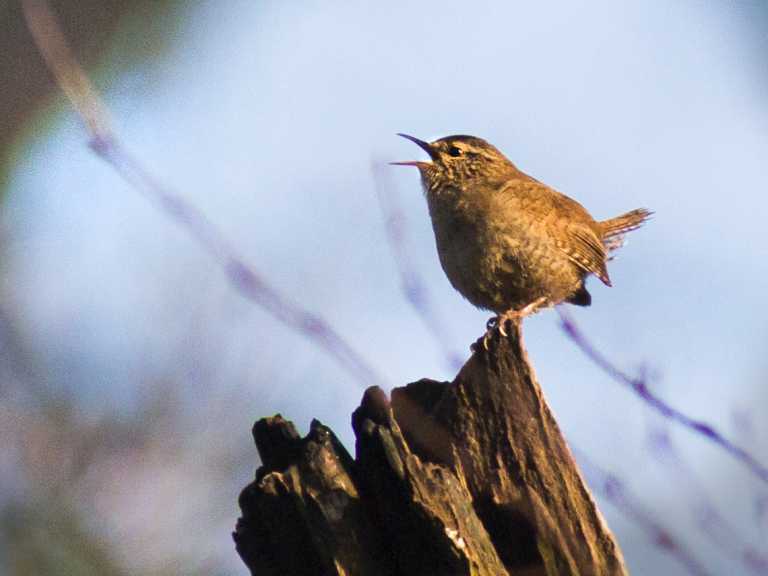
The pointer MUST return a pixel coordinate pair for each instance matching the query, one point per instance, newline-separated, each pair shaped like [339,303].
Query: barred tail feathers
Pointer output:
[615,228]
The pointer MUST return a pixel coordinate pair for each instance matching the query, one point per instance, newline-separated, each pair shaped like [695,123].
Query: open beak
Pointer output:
[421,144]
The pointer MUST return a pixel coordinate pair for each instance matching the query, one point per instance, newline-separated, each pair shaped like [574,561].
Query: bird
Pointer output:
[507,242]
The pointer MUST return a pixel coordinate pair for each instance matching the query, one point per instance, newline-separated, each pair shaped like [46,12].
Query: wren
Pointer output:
[507,242]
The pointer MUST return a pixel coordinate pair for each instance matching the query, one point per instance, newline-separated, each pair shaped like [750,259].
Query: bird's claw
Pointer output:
[490,326]
[486,339]
[493,325]
[499,323]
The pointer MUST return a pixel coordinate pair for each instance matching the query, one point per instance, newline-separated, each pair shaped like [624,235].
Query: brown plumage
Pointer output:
[507,242]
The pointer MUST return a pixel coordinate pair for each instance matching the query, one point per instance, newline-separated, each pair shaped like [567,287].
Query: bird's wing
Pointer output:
[586,252]
[581,243]
[566,221]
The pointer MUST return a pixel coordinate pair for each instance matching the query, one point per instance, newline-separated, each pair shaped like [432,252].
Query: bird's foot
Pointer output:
[490,327]
[499,323]
[517,315]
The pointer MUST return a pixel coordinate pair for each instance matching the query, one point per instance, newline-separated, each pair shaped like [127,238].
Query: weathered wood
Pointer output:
[465,478]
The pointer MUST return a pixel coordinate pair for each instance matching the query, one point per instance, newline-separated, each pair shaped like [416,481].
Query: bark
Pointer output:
[470,477]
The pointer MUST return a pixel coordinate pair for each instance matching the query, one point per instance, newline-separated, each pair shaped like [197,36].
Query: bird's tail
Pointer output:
[615,228]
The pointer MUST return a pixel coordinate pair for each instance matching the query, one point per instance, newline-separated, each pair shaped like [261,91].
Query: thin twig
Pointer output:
[615,491]
[62,63]
[640,387]
[708,518]
[243,277]
[411,284]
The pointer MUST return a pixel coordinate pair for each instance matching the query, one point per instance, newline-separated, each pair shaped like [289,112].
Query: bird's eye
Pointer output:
[455,152]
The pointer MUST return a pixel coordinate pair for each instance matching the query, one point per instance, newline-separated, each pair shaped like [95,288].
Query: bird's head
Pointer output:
[458,162]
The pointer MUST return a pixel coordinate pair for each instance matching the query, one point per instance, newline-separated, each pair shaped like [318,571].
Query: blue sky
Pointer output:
[268,117]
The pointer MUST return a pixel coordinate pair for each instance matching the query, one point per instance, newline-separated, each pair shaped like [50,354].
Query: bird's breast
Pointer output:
[476,255]
[497,256]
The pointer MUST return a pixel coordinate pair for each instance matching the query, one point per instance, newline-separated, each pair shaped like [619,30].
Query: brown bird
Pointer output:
[507,242]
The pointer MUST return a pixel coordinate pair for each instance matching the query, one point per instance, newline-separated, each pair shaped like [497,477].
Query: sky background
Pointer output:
[269,117]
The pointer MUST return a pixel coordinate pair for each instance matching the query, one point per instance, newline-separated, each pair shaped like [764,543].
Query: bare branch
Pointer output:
[65,68]
[640,387]
[242,276]
[614,490]
[411,284]
[708,518]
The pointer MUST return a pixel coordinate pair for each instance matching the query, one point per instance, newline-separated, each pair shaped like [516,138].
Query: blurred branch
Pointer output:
[614,490]
[414,290]
[243,277]
[91,27]
[640,387]
[65,68]
[708,518]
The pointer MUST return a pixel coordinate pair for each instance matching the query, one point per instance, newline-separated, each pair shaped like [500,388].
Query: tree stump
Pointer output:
[471,477]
